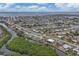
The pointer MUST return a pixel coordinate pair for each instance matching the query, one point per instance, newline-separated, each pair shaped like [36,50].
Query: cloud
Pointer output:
[8,4]
[42,3]
[60,5]
[39,7]
[33,8]
[67,5]
[7,7]
[4,7]
[71,7]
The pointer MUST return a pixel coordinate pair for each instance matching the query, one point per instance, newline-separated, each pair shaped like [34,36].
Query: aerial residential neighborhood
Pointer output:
[58,32]
[31,29]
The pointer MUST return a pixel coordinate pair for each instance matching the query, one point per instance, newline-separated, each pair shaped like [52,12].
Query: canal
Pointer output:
[4,50]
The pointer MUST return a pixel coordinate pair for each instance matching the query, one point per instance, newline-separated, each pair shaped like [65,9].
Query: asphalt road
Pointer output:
[4,50]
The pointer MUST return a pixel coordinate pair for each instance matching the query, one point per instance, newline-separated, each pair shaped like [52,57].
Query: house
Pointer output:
[1,33]
[50,40]
[60,36]
[76,49]
[66,46]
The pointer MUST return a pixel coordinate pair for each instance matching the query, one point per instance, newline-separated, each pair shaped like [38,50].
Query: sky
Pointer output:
[39,7]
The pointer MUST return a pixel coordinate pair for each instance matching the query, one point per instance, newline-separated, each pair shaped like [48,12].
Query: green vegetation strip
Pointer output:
[23,46]
[5,37]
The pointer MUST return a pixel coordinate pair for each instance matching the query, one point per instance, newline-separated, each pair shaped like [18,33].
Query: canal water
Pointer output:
[4,50]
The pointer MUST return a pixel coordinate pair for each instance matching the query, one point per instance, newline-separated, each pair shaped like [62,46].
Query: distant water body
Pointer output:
[37,13]
[22,13]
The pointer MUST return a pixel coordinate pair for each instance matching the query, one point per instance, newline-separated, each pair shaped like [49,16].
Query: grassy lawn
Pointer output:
[5,37]
[23,46]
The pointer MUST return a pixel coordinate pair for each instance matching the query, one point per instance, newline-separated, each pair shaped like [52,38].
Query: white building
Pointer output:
[50,40]
[66,46]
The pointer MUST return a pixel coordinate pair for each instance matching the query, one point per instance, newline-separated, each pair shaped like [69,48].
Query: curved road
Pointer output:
[4,50]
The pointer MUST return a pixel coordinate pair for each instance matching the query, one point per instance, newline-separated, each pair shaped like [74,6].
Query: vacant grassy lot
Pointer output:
[23,46]
[5,37]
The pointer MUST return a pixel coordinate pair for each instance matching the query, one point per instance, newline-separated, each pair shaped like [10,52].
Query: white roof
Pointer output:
[59,36]
[66,46]
[50,40]
[65,29]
